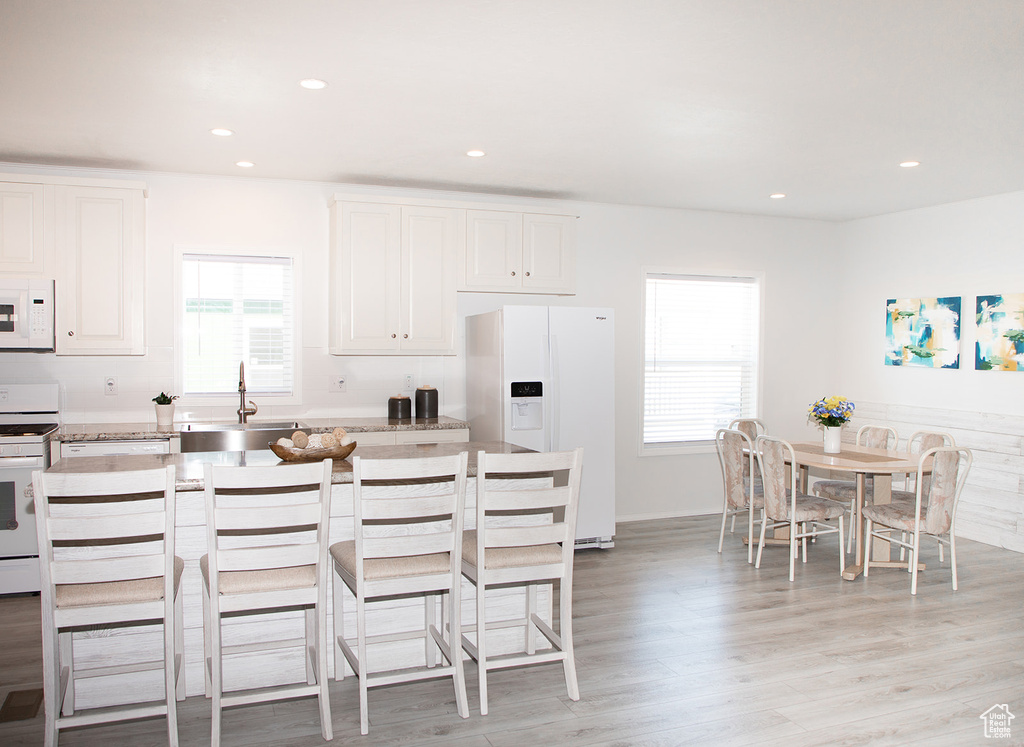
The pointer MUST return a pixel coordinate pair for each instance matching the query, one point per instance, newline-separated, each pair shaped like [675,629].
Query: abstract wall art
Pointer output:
[1000,342]
[923,332]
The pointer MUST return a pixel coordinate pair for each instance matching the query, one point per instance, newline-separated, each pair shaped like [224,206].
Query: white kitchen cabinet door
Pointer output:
[22,250]
[393,279]
[427,300]
[365,278]
[549,253]
[100,250]
[494,251]
[374,438]
[446,435]
[511,252]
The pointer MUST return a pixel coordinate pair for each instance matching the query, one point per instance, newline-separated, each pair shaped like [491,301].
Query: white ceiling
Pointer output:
[709,104]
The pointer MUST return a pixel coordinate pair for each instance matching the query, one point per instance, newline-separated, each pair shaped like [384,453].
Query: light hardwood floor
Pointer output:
[678,645]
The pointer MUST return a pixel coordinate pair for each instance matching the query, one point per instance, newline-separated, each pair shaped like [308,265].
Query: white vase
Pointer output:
[833,439]
[164,415]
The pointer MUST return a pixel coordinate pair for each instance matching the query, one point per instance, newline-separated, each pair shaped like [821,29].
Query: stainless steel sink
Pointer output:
[251,436]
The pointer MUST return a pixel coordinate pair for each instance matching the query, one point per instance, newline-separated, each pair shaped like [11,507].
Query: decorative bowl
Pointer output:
[292,454]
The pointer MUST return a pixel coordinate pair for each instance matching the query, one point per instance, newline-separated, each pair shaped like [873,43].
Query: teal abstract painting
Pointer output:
[1000,344]
[923,332]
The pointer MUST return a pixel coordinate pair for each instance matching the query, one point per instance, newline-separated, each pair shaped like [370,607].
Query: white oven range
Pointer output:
[28,415]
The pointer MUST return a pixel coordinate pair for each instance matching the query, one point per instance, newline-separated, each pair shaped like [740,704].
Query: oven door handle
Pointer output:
[28,461]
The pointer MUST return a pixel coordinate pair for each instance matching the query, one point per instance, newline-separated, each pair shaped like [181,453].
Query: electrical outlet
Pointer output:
[110,385]
[339,384]
[408,381]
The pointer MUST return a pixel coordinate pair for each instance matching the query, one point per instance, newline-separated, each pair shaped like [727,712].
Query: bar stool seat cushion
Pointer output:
[510,557]
[273,579]
[375,569]
[116,592]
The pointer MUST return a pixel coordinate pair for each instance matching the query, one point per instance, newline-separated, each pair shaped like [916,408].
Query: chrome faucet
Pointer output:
[243,411]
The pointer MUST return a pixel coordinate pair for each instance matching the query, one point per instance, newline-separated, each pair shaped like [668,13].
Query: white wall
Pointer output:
[615,242]
[962,249]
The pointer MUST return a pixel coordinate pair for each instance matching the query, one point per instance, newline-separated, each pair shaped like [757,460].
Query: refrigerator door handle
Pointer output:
[553,394]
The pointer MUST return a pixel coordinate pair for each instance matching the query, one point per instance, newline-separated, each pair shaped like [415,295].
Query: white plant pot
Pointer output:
[833,439]
[164,415]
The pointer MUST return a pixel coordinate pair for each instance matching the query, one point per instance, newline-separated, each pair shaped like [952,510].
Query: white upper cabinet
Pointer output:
[392,279]
[22,248]
[512,252]
[493,259]
[100,249]
[549,253]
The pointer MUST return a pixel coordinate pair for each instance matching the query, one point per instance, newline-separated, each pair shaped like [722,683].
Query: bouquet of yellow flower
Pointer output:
[831,412]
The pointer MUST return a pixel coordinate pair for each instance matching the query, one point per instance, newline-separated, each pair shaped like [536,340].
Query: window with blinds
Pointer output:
[238,309]
[701,355]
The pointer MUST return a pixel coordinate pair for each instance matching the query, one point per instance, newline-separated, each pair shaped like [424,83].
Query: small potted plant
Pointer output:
[164,409]
[831,413]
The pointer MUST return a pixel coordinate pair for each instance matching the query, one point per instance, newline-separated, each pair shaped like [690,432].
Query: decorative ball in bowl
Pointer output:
[314,447]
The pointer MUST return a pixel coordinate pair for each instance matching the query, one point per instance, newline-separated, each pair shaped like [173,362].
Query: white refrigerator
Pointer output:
[542,377]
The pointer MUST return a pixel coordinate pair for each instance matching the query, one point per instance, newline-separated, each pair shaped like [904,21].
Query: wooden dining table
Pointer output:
[859,462]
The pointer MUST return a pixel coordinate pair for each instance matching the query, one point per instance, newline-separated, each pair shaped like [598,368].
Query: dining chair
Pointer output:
[106,552]
[266,531]
[933,511]
[525,536]
[742,494]
[752,427]
[845,491]
[408,543]
[784,506]
[918,443]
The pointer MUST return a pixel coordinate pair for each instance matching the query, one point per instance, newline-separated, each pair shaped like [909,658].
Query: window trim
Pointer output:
[693,447]
[219,400]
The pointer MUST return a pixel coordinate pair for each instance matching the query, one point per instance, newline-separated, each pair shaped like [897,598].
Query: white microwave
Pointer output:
[26,314]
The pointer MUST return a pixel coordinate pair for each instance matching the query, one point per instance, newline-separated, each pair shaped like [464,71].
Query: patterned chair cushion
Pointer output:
[843,490]
[812,508]
[758,491]
[896,515]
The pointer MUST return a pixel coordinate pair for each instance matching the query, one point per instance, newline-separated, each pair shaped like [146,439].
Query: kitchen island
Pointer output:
[375,431]
[274,667]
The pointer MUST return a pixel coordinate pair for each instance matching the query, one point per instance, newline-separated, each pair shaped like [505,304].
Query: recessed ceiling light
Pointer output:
[313,84]
[777,195]
[475,153]
[245,164]
[222,132]
[910,164]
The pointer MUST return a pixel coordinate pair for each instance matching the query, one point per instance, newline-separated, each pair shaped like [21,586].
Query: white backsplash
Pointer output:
[370,380]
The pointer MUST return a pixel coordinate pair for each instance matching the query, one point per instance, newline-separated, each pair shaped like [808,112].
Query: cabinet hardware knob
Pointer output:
[405,336]
[71,333]
[513,273]
[393,336]
[527,274]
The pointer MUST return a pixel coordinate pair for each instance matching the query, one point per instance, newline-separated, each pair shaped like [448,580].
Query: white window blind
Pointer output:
[701,348]
[238,309]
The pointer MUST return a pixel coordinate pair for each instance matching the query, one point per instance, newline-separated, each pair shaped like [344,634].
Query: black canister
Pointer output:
[399,407]
[426,402]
